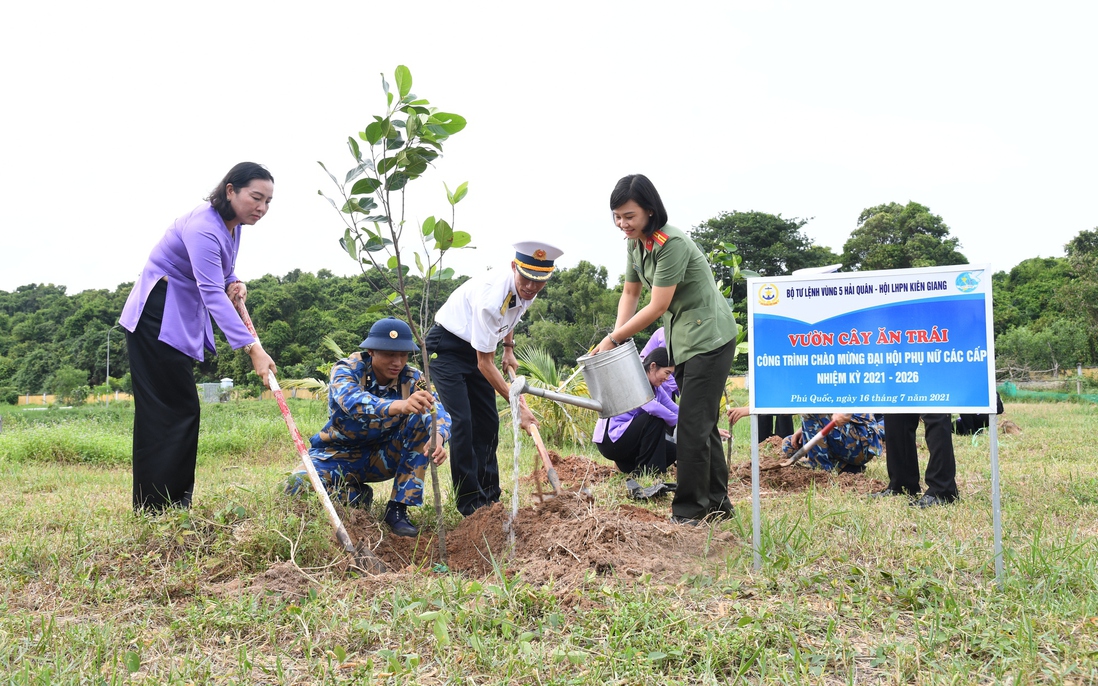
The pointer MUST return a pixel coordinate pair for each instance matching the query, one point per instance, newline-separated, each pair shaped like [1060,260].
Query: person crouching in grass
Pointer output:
[379,428]
[855,440]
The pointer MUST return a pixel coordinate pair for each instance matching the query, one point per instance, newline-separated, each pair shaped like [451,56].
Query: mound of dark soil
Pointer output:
[773,477]
[563,540]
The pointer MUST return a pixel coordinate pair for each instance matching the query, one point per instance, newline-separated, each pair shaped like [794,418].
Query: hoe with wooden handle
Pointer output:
[809,444]
[550,471]
[363,557]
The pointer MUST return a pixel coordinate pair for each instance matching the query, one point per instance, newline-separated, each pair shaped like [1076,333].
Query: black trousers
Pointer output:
[702,471]
[471,402]
[644,447]
[166,413]
[780,425]
[903,460]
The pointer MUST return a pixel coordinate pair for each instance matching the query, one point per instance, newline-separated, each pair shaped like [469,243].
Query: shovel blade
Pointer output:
[365,560]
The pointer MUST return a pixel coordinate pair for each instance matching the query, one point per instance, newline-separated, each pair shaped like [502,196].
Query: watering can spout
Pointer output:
[588,403]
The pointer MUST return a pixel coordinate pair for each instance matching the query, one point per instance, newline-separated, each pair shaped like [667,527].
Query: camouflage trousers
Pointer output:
[846,448]
[347,465]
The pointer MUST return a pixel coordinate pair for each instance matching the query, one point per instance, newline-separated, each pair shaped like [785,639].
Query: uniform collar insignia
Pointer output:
[658,237]
[510,302]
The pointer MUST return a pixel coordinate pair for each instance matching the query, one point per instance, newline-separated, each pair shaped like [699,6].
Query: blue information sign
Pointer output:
[904,340]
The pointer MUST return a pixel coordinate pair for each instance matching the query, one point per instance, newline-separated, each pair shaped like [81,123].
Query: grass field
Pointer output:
[244,587]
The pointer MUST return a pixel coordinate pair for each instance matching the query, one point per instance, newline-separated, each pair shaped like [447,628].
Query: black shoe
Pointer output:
[686,521]
[396,516]
[885,493]
[361,497]
[929,500]
[721,512]
[638,492]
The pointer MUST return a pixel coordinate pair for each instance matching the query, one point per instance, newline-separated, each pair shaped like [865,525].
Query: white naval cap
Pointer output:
[534,259]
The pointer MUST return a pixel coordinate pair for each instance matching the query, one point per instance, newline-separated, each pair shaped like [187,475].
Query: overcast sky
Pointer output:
[119,117]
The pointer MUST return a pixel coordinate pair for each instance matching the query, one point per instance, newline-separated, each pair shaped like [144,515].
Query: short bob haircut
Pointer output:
[239,176]
[658,357]
[638,188]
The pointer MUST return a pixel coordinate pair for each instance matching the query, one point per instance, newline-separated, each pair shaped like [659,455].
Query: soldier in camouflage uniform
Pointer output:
[378,427]
[855,440]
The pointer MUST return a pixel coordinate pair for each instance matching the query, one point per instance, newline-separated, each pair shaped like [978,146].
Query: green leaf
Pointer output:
[461,239]
[349,244]
[446,123]
[428,226]
[404,80]
[330,175]
[412,126]
[394,298]
[419,262]
[444,235]
[340,653]
[378,218]
[393,262]
[357,171]
[445,274]
[442,634]
[132,661]
[384,83]
[428,616]
[385,165]
[423,153]
[449,194]
[460,193]
[395,143]
[353,145]
[375,132]
[376,243]
[330,201]
[365,186]
[389,99]
[396,181]
[656,656]
[420,102]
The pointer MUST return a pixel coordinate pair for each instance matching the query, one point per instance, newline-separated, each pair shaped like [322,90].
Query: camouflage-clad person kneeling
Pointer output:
[855,440]
[379,427]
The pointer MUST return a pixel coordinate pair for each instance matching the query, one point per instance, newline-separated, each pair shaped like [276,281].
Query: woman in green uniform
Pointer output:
[701,338]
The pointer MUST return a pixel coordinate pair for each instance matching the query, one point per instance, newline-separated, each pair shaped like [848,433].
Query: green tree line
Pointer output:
[1045,309]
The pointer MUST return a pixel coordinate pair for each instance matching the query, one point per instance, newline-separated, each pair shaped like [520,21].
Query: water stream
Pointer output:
[515,395]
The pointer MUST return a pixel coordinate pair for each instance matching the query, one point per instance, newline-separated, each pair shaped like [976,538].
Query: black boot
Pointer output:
[396,516]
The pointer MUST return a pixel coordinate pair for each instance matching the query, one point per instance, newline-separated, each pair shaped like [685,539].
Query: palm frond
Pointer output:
[535,363]
[318,387]
[329,343]
[559,422]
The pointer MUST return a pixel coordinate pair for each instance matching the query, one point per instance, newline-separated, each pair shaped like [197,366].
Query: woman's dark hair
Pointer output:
[638,188]
[658,357]
[239,176]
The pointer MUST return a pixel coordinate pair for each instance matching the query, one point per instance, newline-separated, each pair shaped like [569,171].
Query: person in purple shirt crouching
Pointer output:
[188,277]
[640,440]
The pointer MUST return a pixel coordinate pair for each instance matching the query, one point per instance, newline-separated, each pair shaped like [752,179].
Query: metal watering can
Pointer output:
[615,379]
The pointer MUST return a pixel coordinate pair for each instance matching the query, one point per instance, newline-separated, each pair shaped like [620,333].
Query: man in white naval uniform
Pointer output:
[476,318]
